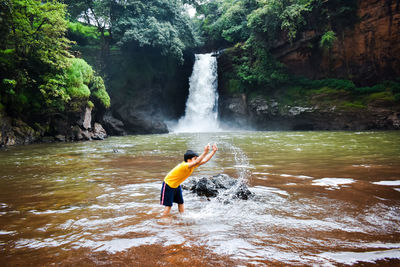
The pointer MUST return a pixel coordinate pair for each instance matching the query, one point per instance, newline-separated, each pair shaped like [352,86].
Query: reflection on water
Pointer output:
[321,198]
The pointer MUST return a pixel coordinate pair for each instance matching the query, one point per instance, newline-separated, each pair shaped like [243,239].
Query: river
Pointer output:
[320,198]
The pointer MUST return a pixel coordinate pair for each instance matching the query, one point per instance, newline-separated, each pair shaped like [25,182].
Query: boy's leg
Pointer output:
[181,208]
[167,210]
[178,198]
[166,198]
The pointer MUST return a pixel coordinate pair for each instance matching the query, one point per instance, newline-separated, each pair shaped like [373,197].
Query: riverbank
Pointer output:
[323,109]
[15,131]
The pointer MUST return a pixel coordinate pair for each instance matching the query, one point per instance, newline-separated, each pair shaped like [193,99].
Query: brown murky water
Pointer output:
[321,198]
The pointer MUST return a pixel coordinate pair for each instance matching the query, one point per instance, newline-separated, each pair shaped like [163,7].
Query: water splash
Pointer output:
[201,114]
[242,168]
[242,164]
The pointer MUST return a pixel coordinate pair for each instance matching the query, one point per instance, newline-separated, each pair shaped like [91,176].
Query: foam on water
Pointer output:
[333,183]
[346,257]
[388,183]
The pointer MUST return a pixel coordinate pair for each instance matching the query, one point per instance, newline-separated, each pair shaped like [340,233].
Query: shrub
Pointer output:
[84,31]
[329,83]
[9,86]
[90,104]
[103,97]
[81,91]
[327,40]
[388,96]
[356,104]
[99,91]
[370,89]
[78,76]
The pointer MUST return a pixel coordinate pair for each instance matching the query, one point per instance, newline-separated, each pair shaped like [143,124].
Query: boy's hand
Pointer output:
[215,148]
[207,148]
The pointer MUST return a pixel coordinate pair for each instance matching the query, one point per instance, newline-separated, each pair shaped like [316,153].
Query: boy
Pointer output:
[171,190]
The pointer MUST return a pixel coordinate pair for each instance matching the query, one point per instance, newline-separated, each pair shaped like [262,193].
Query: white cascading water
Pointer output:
[201,114]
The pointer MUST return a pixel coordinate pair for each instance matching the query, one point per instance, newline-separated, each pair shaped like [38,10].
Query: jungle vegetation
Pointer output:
[59,56]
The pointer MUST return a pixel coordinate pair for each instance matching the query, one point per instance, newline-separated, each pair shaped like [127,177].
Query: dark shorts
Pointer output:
[170,195]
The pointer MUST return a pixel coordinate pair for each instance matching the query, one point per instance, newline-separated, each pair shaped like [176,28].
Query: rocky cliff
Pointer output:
[260,113]
[367,52]
[146,89]
[75,127]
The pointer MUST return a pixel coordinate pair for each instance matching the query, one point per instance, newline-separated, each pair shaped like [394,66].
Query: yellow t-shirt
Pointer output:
[178,174]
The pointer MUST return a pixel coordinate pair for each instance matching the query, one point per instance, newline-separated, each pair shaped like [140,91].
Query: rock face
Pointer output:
[15,131]
[113,125]
[59,129]
[261,114]
[140,117]
[219,185]
[367,53]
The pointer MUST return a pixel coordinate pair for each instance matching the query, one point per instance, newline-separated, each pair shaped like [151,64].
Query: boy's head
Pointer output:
[189,155]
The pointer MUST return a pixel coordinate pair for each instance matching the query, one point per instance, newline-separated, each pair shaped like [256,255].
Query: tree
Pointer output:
[34,58]
[33,45]
[161,24]
[98,13]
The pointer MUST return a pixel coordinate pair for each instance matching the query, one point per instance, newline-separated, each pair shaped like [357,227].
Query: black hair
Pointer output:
[189,155]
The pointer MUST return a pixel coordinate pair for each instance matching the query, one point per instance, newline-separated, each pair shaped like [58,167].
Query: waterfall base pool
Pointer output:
[321,198]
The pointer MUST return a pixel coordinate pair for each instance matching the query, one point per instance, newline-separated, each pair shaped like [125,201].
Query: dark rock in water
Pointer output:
[139,117]
[242,192]
[98,132]
[218,185]
[113,125]
[205,187]
[223,181]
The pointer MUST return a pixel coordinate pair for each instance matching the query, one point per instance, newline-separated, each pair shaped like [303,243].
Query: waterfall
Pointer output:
[201,113]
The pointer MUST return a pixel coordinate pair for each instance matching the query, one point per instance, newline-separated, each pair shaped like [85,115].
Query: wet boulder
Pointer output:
[221,185]
[223,181]
[242,192]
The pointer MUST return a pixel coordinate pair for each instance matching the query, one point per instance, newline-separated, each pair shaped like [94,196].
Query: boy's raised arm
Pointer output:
[209,156]
[200,158]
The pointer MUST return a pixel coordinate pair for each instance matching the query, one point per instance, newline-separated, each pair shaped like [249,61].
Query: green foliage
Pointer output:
[99,92]
[293,18]
[255,67]
[340,93]
[53,91]
[83,34]
[79,78]
[256,26]
[79,72]
[9,86]
[161,24]
[226,19]
[38,75]
[90,104]
[370,89]
[33,49]
[327,40]
[386,96]
[353,105]
[329,83]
